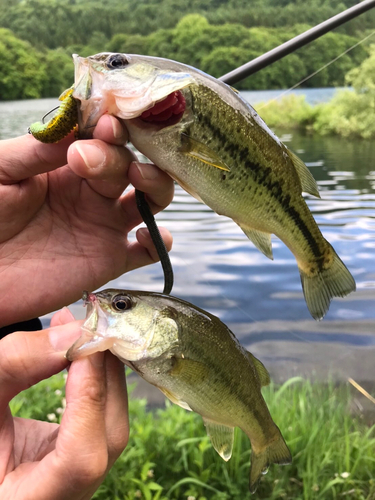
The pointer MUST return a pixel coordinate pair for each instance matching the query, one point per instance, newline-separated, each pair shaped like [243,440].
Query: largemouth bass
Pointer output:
[214,144]
[194,359]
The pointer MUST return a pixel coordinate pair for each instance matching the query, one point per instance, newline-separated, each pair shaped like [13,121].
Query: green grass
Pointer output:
[170,457]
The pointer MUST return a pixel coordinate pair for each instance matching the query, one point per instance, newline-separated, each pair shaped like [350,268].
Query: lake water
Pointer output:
[219,270]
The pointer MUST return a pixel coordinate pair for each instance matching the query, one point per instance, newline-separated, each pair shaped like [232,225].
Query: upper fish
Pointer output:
[214,144]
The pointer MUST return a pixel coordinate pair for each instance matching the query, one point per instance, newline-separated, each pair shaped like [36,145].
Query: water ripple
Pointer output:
[218,269]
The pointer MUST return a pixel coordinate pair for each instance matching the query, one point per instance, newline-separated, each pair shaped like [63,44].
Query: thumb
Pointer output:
[62,317]
[26,358]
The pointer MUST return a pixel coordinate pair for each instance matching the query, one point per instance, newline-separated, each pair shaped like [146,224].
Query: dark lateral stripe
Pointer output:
[245,396]
[260,175]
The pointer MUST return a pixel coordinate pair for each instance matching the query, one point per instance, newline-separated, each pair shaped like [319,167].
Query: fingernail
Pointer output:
[63,337]
[148,171]
[91,155]
[66,316]
[118,131]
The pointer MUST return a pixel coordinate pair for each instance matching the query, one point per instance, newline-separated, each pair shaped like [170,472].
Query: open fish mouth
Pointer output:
[166,112]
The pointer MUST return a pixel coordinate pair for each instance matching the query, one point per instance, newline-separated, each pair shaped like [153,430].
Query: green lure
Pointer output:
[61,124]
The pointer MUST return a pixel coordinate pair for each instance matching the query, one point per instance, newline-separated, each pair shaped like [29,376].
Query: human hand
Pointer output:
[42,460]
[64,227]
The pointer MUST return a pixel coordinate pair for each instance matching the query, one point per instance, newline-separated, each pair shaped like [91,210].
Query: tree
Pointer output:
[129,44]
[59,72]
[351,113]
[22,70]
[224,59]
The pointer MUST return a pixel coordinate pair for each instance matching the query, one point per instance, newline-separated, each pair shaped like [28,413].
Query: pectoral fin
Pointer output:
[260,239]
[200,151]
[188,370]
[174,398]
[262,371]
[221,437]
[308,182]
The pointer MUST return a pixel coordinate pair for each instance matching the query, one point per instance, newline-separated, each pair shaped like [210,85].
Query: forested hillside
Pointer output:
[59,23]
[37,38]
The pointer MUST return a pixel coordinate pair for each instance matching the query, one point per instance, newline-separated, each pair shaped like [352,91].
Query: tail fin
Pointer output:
[276,453]
[336,281]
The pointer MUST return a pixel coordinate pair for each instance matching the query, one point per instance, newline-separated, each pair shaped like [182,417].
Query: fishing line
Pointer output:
[49,112]
[317,71]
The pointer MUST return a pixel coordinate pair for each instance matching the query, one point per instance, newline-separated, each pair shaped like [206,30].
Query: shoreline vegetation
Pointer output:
[350,113]
[332,443]
[37,38]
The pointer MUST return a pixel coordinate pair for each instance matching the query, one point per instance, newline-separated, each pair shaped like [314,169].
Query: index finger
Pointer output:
[24,157]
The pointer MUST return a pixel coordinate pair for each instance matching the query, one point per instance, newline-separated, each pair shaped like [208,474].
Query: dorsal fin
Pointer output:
[308,182]
[262,371]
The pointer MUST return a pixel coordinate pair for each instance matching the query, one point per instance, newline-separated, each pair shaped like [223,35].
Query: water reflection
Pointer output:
[218,269]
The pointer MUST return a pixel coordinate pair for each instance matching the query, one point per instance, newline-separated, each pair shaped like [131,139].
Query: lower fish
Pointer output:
[194,359]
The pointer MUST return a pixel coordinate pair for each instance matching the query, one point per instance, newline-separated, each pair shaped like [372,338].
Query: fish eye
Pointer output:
[116,61]
[122,303]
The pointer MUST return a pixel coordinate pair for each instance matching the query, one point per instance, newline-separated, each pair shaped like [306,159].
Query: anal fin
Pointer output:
[221,436]
[260,239]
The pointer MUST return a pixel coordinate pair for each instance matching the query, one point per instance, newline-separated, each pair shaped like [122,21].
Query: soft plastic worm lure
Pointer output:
[61,124]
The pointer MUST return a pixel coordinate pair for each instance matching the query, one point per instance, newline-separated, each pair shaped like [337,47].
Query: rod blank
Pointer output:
[295,43]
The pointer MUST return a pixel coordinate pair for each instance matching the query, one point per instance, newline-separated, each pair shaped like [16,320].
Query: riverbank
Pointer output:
[321,363]
[349,113]
[169,455]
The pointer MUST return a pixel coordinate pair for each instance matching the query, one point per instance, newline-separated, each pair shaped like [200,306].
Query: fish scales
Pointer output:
[231,144]
[201,339]
[194,359]
[245,154]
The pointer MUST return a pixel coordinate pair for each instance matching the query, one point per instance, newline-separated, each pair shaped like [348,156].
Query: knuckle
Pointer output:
[93,393]
[86,471]
[93,468]
[118,441]
[164,197]
[12,358]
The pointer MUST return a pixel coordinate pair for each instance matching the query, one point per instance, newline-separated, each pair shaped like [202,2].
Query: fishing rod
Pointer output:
[295,43]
